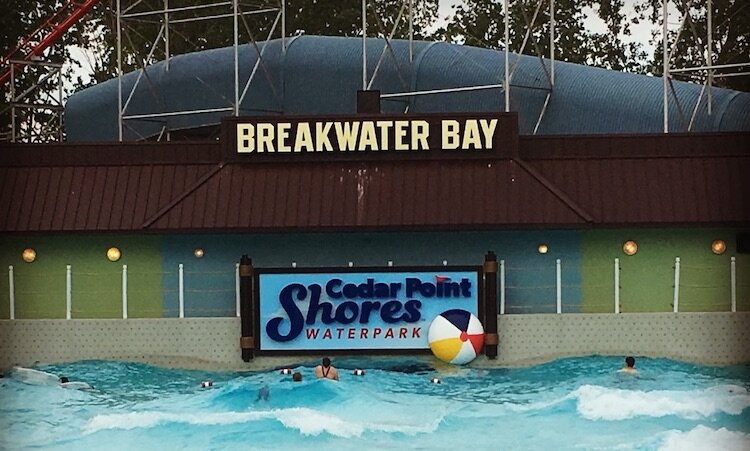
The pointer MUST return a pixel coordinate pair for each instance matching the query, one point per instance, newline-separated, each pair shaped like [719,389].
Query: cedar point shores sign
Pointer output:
[364,310]
[373,134]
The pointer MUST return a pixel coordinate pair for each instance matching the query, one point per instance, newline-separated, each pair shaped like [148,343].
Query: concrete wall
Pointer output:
[213,343]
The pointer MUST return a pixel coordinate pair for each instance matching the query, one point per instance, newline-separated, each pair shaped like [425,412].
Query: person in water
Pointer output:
[297,377]
[629,366]
[263,393]
[326,370]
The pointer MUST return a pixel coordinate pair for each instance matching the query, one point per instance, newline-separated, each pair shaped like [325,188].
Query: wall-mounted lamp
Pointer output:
[718,247]
[113,254]
[198,252]
[28,255]
[543,248]
[630,247]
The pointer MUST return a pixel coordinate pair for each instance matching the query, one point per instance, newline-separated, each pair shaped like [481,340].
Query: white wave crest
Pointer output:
[702,438]
[602,403]
[307,421]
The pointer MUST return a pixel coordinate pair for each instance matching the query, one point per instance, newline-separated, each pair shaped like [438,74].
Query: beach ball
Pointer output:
[456,336]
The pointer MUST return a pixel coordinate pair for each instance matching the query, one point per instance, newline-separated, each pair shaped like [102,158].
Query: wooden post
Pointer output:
[490,305]
[247,341]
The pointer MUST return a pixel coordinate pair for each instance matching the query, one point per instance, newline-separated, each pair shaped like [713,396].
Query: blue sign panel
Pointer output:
[358,310]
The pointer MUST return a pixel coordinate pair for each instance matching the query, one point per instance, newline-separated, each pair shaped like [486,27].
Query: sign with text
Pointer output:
[379,134]
[359,310]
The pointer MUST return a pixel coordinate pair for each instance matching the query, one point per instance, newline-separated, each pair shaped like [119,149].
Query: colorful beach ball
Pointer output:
[456,336]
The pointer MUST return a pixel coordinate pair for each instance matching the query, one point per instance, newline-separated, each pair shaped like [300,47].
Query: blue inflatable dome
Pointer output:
[320,75]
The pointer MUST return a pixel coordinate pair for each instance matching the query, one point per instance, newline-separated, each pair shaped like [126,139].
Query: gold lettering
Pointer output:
[282,133]
[450,134]
[472,137]
[346,135]
[265,138]
[303,138]
[245,138]
[420,130]
[321,136]
[384,141]
[368,138]
[488,129]
[400,143]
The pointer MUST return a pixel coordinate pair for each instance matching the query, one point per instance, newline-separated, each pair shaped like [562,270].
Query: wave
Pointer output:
[306,421]
[602,403]
[701,438]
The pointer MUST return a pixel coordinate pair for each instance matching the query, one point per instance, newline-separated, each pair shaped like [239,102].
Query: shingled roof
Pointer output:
[555,181]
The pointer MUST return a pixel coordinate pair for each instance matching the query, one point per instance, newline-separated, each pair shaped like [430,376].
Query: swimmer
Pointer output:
[629,366]
[263,393]
[297,377]
[326,370]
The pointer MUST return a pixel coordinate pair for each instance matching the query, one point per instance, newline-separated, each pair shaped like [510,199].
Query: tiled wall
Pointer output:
[717,338]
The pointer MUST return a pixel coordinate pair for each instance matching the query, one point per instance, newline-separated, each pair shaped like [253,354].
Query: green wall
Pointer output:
[647,278]
[40,286]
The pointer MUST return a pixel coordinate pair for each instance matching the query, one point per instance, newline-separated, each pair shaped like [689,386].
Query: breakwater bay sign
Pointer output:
[359,310]
[382,134]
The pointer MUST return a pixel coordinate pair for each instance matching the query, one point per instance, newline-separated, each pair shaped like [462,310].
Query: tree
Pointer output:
[731,38]
[20,18]
[481,23]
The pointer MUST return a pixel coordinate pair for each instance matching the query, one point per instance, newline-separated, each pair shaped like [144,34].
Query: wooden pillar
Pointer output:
[490,305]
[247,341]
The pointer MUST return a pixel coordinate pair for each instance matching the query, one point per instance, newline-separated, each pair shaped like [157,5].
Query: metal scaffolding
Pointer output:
[35,119]
[169,14]
[167,17]
[509,71]
[708,71]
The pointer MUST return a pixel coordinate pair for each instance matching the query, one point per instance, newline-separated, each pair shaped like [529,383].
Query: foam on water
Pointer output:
[306,421]
[702,438]
[134,405]
[602,403]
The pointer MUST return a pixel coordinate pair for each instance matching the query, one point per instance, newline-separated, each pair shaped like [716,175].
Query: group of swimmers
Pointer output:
[323,371]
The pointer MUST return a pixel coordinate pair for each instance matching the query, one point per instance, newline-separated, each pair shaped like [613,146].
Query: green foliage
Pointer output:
[481,23]
[731,38]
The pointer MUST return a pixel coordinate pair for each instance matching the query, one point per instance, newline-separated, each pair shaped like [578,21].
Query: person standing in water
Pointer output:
[629,366]
[326,370]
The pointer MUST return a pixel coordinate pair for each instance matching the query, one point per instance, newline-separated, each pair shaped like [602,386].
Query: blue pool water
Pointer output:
[575,404]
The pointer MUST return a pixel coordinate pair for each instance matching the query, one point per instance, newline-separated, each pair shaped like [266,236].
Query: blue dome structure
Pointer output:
[320,75]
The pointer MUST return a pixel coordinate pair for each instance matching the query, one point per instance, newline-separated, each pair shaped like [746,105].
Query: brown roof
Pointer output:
[564,181]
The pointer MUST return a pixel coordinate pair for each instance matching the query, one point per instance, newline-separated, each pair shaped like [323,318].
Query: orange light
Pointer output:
[718,247]
[28,255]
[198,252]
[113,254]
[630,247]
[543,248]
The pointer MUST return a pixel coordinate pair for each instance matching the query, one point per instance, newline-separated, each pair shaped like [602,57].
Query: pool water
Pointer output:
[575,403]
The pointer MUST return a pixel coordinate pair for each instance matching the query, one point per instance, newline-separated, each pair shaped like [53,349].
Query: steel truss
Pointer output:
[26,126]
[510,70]
[708,71]
[166,17]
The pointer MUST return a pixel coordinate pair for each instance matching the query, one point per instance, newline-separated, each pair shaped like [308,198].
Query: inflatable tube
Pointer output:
[34,377]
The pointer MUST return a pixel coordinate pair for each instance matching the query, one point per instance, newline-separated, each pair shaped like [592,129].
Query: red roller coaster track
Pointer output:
[46,35]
